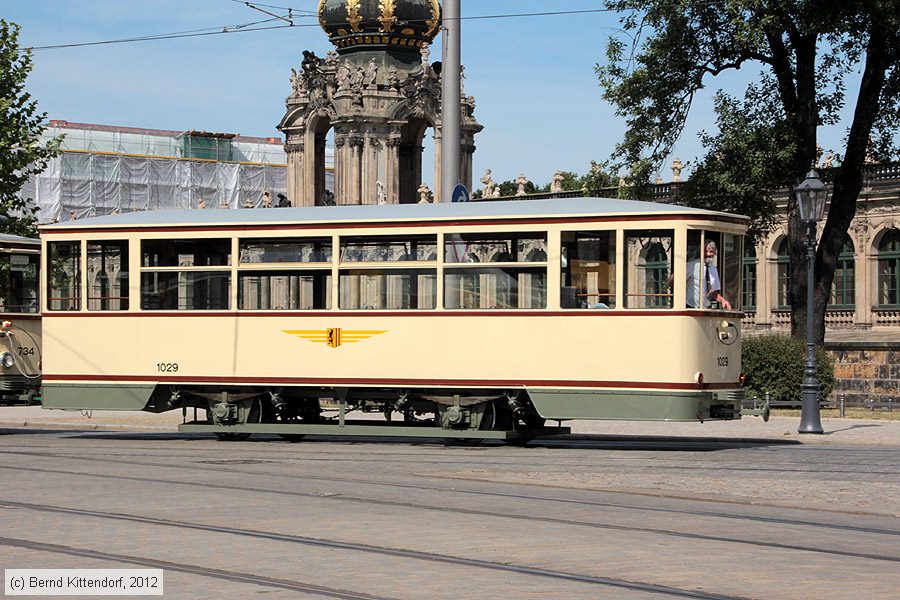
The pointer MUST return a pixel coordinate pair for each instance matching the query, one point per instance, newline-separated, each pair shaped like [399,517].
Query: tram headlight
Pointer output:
[7,360]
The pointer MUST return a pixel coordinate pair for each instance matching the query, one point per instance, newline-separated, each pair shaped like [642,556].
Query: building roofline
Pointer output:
[63,124]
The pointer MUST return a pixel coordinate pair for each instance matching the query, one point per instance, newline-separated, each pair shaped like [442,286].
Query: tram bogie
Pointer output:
[481,320]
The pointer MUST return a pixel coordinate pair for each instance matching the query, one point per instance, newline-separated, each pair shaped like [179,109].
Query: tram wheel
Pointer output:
[494,418]
[255,416]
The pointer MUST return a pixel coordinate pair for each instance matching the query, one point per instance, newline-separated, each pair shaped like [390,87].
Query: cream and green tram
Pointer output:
[472,320]
[20,320]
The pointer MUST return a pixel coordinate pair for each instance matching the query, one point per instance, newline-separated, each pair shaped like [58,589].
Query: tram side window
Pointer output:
[64,275]
[389,249]
[107,271]
[472,284]
[284,290]
[19,282]
[714,272]
[186,290]
[186,253]
[388,289]
[588,263]
[312,250]
[649,256]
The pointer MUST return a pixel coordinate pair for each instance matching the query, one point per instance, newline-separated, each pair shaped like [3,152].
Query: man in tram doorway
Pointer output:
[707,275]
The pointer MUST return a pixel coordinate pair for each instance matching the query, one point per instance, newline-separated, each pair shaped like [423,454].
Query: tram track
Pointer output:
[417,486]
[324,543]
[535,518]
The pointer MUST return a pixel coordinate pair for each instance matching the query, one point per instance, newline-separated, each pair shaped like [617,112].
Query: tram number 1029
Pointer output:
[723,361]
[167,367]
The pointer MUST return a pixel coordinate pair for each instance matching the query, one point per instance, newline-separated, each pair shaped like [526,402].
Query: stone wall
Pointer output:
[866,373]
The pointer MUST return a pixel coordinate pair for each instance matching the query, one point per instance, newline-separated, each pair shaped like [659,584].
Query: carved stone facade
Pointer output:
[380,95]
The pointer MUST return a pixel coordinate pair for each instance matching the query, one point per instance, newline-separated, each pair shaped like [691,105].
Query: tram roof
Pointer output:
[6,238]
[529,209]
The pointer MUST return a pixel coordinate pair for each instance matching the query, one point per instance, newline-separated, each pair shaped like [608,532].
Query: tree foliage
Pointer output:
[21,152]
[805,50]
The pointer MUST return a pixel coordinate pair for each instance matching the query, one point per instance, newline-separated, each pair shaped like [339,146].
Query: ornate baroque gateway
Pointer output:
[380,94]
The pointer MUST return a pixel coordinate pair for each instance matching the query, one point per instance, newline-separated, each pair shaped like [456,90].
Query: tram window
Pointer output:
[64,275]
[185,290]
[389,249]
[186,253]
[284,290]
[649,256]
[388,289]
[19,283]
[495,247]
[107,271]
[588,266]
[285,250]
[732,254]
[495,287]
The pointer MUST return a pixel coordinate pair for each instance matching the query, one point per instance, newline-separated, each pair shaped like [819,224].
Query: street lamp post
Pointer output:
[811,196]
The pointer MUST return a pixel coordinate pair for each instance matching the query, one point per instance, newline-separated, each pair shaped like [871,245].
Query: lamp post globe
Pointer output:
[811,195]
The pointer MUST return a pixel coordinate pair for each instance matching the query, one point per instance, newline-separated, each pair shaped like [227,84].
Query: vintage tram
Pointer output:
[20,320]
[473,320]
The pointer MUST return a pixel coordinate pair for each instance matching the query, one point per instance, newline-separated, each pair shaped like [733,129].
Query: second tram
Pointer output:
[468,320]
[20,320]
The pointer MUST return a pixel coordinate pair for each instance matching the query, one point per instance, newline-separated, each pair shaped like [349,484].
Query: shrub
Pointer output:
[774,363]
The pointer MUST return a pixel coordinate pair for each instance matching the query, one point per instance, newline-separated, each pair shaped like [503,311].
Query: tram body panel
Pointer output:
[635,360]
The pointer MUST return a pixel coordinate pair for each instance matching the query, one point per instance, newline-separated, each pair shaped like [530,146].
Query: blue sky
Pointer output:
[533,77]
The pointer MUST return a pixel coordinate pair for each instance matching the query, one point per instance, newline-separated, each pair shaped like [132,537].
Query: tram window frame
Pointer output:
[650,277]
[280,250]
[395,249]
[528,247]
[53,273]
[319,298]
[192,252]
[20,287]
[105,301]
[588,269]
[411,296]
[475,287]
[191,281]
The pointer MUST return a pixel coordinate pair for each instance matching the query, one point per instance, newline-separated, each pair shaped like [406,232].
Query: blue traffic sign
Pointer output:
[460,193]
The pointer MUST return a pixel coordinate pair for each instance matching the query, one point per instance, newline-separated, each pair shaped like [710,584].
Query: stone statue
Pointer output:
[380,195]
[677,168]
[393,79]
[248,203]
[201,204]
[521,181]
[331,59]
[224,204]
[343,75]
[73,216]
[328,198]
[556,184]
[489,184]
[372,73]
[496,193]
[425,52]
[829,160]
[296,82]
[462,80]
[424,194]
[356,80]
[267,199]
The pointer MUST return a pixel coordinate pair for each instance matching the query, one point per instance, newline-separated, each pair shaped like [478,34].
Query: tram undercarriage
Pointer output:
[236,414]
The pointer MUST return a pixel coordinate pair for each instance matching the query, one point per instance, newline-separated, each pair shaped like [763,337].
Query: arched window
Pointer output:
[657,274]
[749,299]
[843,291]
[889,269]
[783,276]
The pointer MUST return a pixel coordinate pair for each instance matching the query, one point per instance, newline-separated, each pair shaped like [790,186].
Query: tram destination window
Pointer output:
[649,256]
[264,250]
[588,269]
[388,289]
[19,282]
[186,253]
[107,272]
[284,290]
[64,275]
[389,249]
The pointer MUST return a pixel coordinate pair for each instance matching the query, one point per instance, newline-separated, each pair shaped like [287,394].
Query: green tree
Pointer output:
[21,152]
[805,51]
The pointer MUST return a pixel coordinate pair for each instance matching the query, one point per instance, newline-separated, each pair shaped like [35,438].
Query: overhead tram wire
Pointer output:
[249,27]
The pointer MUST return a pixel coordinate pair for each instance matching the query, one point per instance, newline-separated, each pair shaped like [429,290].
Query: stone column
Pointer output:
[392,172]
[356,142]
[438,143]
[341,165]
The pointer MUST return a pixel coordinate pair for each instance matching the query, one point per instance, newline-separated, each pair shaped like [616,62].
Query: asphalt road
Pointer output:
[583,516]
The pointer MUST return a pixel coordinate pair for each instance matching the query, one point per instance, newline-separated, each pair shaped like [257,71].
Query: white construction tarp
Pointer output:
[83,184]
